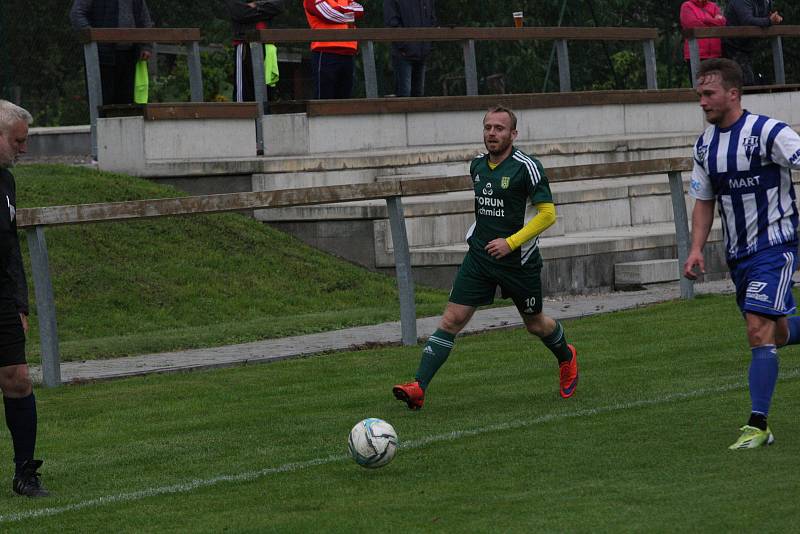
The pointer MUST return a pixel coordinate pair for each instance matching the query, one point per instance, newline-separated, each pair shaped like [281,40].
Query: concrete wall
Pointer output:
[298,134]
[60,141]
[130,144]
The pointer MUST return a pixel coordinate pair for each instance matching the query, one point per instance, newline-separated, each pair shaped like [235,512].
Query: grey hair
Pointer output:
[11,113]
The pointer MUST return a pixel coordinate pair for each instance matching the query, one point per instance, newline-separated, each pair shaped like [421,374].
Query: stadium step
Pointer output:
[635,274]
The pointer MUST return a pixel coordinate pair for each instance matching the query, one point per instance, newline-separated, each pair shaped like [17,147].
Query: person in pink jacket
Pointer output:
[702,14]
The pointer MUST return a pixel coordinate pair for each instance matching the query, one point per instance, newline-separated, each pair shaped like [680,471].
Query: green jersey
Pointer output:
[504,203]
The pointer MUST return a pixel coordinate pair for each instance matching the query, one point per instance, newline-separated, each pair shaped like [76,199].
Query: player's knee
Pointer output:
[16,385]
[758,336]
[537,325]
[451,324]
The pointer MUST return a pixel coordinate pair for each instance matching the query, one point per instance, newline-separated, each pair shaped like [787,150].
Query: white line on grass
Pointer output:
[413,444]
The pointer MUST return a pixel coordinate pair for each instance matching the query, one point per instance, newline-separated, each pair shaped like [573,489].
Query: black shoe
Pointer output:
[27,482]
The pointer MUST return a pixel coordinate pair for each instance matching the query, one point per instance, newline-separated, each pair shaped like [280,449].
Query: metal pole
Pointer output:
[470,68]
[777,60]
[650,63]
[402,265]
[94,89]
[681,230]
[564,82]
[370,76]
[553,48]
[45,307]
[195,71]
[259,85]
[694,59]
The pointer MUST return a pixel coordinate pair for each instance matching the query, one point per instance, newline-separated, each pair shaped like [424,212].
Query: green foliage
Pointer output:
[172,82]
[163,284]
[641,447]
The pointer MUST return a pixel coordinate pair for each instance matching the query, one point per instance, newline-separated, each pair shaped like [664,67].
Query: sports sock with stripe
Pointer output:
[762,377]
[557,343]
[434,354]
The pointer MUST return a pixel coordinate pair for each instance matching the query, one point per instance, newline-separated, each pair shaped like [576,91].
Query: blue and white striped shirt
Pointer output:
[747,169]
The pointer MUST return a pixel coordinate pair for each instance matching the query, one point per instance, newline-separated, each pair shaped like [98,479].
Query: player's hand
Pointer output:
[498,248]
[24,320]
[775,18]
[695,259]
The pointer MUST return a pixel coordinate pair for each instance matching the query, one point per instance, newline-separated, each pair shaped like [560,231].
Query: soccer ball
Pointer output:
[373,443]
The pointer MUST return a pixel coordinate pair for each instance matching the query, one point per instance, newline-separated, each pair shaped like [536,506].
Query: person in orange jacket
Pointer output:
[701,14]
[332,63]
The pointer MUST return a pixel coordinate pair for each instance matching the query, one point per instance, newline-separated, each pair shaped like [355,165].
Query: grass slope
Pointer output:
[136,287]
[642,446]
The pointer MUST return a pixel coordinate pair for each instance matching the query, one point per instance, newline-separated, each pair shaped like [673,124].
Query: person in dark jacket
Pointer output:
[117,61]
[408,58]
[246,17]
[748,13]
[15,383]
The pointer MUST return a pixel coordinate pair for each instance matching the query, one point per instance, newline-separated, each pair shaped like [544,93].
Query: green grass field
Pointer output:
[139,287]
[641,447]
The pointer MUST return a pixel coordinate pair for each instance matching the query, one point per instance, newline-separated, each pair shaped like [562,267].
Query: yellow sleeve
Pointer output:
[540,222]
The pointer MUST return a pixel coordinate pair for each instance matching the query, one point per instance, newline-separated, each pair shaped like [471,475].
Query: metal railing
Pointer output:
[468,36]
[35,220]
[774,33]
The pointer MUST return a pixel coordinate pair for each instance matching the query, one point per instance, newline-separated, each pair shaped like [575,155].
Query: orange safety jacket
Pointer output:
[336,15]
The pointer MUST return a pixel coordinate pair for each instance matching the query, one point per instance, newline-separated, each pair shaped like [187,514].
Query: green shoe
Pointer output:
[752,438]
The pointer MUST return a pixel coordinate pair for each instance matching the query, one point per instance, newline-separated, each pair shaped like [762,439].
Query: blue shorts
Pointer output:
[764,281]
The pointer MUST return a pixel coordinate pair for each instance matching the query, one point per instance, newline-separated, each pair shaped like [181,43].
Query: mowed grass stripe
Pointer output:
[187,487]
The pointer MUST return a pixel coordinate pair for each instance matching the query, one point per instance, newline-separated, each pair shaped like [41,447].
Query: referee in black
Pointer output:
[15,382]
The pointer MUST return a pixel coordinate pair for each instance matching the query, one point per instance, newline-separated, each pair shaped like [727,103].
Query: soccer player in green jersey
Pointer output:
[513,205]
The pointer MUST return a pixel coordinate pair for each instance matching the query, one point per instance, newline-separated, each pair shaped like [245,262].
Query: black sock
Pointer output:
[758,420]
[557,343]
[21,422]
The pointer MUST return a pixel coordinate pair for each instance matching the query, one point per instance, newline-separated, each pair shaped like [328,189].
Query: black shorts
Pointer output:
[12,337]
[477,280]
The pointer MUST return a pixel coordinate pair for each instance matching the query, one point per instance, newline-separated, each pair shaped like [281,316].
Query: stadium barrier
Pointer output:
[35,220]
[774,33]
[188,37]
[468,36]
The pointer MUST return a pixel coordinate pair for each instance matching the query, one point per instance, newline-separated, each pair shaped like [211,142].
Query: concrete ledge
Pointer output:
[60,141]
[131,144]
[639,273]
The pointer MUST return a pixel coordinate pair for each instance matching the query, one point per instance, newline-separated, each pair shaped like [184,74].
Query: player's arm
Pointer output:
[500,247]
[544,219]
[702,219]
[786,148]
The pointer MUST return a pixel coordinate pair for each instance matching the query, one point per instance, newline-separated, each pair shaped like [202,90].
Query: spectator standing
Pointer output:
[748,13]
[701,14]
[117,61]
[332,63]
[246,17]
[408,58]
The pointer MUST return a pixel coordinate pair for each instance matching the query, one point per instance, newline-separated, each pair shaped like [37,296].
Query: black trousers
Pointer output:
[117,80]
[333,75]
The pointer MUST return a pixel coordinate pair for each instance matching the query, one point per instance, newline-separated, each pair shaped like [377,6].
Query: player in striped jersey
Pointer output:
[513,205]
[743,163]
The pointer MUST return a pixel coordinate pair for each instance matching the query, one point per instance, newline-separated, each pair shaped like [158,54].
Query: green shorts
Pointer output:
[477,280]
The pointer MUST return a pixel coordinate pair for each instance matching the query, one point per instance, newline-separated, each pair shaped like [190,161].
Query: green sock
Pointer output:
[557,343]
[434,354]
